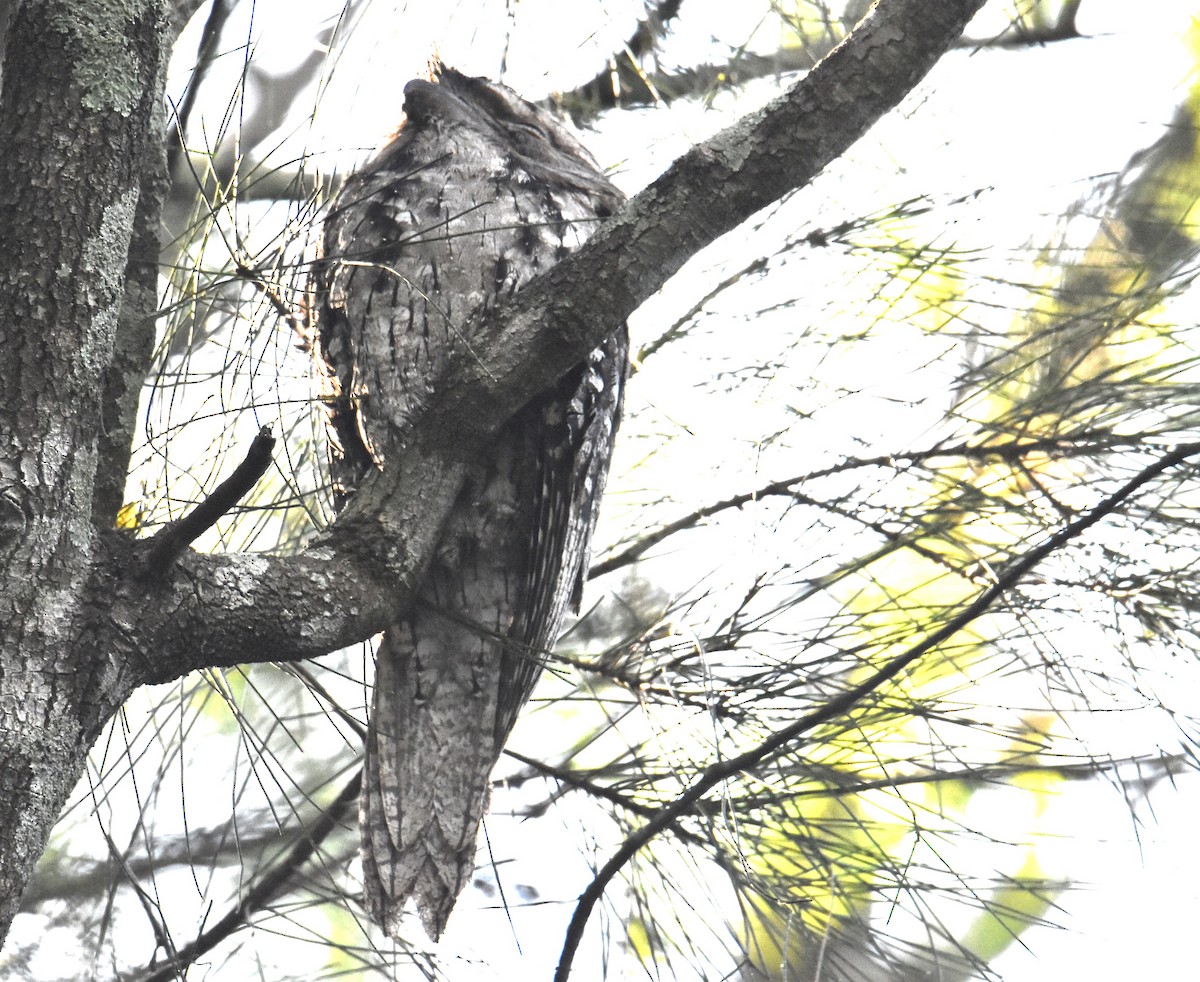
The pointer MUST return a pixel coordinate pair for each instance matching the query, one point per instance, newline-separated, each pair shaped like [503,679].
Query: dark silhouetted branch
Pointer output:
[168,545]
[265,889]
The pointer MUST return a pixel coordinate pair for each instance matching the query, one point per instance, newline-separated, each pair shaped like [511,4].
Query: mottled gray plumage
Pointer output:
[478,193]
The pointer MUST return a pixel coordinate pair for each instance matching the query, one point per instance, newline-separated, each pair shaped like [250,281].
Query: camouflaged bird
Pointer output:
[478,192]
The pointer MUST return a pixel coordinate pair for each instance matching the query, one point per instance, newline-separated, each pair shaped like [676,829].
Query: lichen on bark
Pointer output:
[102,35]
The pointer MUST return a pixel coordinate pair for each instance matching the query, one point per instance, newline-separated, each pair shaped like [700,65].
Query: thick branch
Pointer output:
[179,12]
[709,191]
[133,342]
[547,328]
[222,610]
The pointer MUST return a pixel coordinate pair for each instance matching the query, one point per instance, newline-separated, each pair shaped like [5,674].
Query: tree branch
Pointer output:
[171,542]
[179,12]
[265,888]
[1013,452]
[222,610]
[380,544]
[622,80]
[206,54]
[76,107]
[707,192]
[625,83]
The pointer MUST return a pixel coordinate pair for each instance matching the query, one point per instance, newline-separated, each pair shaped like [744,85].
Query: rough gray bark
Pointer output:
[79,630]
[75,114]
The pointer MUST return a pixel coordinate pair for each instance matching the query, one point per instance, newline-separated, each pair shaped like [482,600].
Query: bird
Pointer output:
[477,193]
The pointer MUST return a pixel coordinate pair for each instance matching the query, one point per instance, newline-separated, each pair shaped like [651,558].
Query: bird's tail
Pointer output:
[429,755]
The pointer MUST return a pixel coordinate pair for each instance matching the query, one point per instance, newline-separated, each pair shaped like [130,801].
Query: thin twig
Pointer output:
[722,770]
[297,321]
[206,54]
[172,542]
[1013,452]
[265,889]
[580,783]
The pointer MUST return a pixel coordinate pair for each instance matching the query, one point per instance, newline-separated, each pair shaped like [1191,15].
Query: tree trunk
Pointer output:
[80,87]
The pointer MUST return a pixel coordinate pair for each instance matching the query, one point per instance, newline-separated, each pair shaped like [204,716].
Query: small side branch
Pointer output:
[172,542]
[298,322]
